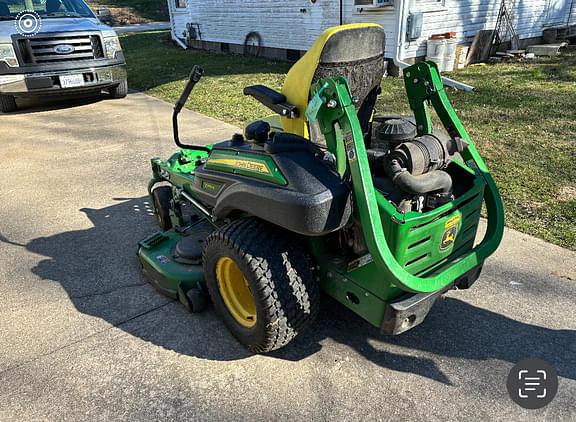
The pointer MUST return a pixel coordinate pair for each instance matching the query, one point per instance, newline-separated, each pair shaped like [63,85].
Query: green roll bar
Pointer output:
[333,106]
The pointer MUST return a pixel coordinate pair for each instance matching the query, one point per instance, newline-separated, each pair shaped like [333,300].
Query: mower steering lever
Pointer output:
[195,76]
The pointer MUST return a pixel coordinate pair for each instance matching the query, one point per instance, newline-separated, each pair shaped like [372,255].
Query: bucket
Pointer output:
[435,51]
[439,60]
[435,48]
[449,55]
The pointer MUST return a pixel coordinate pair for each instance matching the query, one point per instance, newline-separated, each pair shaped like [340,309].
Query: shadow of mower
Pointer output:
[97,267]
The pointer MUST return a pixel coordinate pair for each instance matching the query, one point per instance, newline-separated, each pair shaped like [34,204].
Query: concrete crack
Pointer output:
[85,338]
[107,291]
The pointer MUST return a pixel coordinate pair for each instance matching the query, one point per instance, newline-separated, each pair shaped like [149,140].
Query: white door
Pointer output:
[557,12]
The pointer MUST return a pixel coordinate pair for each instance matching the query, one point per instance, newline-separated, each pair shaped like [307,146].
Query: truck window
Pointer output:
[46,8]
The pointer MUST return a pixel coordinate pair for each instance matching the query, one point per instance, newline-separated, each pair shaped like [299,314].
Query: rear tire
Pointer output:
[7,103]
[261,284]
[119,91]
[162,197]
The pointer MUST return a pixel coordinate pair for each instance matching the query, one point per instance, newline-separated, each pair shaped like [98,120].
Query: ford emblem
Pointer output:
[63,49]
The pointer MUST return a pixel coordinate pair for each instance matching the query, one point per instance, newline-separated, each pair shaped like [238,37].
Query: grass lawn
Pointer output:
[522,120]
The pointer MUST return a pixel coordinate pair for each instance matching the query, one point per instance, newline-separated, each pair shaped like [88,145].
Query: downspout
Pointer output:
[341,17]
[173,34]
[178,40]
[400,35]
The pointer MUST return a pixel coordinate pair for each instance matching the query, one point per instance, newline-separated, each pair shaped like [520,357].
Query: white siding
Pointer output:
[281,24]
[178,18]
[463,17]
[572,14]
[384,16]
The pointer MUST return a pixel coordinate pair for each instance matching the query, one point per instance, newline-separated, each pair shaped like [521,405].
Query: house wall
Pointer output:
[179,17]
[295,24]
[572,14]
[288,24]
[465,17]
[385,16]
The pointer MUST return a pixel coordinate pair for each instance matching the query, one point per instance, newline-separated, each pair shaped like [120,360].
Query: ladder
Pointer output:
[504,28]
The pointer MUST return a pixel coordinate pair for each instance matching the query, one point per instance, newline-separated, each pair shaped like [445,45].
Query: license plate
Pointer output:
[71,81]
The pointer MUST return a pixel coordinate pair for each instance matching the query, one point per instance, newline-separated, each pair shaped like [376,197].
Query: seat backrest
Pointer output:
[354,51]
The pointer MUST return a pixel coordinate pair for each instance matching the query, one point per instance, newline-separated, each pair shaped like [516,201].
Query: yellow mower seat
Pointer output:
[354,51]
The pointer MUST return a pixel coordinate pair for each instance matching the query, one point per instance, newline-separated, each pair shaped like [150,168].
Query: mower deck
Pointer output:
[172,261]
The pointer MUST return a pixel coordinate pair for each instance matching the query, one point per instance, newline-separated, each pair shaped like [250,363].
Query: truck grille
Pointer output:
[43,50]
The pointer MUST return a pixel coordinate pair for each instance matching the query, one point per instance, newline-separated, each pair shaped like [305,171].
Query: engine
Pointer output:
[410,170]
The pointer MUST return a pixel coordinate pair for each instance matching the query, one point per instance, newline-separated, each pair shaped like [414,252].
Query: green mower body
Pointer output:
[377,257]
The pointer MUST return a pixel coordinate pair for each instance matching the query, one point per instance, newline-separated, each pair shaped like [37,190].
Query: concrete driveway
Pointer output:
[83,337]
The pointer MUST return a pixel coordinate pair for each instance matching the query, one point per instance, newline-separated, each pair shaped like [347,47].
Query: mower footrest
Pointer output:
[409,310]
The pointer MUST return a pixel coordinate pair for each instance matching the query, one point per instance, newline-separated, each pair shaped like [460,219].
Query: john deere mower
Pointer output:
[378,212]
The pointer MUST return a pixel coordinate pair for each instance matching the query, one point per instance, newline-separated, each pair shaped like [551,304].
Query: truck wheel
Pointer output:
[162,197]
[7,103]
[119,91]
[261,283]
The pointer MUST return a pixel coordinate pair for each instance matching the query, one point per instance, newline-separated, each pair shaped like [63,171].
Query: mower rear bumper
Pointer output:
[410,309]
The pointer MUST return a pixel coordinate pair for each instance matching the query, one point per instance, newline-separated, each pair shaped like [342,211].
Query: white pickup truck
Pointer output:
[52,47]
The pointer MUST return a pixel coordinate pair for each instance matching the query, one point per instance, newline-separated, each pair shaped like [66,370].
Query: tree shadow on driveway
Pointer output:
[97,267]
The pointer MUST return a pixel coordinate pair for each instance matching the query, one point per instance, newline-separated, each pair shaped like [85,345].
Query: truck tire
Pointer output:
[261,283]
[119,91]
[7,103]
[162,196]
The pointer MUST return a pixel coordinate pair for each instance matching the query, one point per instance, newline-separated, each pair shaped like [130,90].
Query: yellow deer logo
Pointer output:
[448,237]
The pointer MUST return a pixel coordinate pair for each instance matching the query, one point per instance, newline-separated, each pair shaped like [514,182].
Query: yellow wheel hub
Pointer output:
[235,292]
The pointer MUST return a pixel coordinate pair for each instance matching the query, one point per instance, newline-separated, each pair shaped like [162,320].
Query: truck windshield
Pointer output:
[9,9]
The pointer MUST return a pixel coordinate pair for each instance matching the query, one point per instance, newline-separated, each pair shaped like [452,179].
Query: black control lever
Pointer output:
[195,76]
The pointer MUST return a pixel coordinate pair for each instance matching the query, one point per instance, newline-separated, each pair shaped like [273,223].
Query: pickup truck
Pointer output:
[50,47]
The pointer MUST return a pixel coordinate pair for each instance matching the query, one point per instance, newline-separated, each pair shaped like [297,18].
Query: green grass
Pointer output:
[522,120]
[148,10]
[157,67]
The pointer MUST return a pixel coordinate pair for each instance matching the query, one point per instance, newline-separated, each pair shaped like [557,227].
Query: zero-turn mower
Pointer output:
[379,212]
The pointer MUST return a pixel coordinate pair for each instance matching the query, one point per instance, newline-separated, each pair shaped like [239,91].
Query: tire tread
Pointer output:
[289,307]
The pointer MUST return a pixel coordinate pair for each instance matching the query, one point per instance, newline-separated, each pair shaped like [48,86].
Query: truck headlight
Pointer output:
[7,55]
[112,46]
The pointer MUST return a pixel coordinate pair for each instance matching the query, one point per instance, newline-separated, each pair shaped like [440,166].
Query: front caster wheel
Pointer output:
[261,283]
[197,299]
[162,197]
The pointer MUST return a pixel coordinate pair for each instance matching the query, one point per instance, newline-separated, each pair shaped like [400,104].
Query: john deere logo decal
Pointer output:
[450,232]
[243,164]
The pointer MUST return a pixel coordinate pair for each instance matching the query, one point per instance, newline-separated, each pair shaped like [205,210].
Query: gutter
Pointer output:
[403,6]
